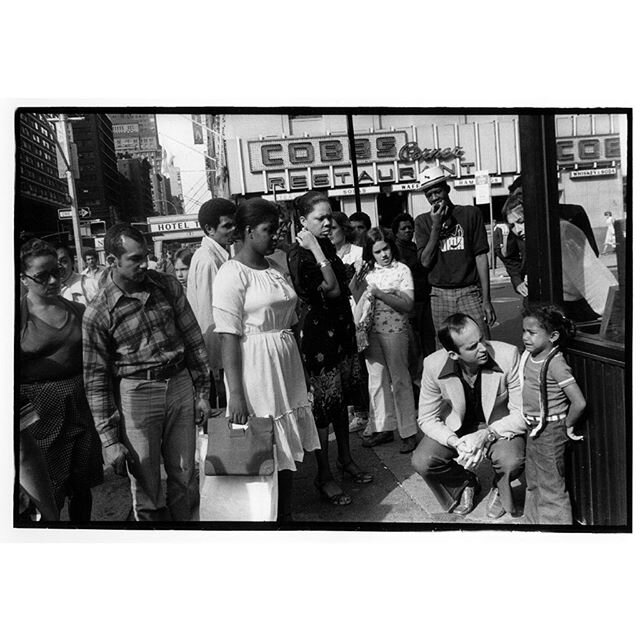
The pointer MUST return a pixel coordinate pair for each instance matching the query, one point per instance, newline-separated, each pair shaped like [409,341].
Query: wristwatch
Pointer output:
[491,436]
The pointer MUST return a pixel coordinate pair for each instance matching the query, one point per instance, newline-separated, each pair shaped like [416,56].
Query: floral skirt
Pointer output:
[334,388]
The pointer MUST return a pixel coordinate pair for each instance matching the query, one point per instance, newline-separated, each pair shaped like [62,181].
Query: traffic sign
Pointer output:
[65,214]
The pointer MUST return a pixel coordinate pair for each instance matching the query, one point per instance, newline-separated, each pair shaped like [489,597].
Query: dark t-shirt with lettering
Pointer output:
[454,265]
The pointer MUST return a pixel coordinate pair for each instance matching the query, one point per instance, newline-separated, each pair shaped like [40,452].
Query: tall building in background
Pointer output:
[176,196]
[136,136]
[136,189]
[98,184]
[216,156]
[40,191]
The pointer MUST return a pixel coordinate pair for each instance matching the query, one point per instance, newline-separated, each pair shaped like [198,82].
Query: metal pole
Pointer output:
[71,184]
[491,248]
[354,165]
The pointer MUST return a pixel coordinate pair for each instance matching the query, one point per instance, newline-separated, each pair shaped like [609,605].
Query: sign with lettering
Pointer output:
[471,182]
[411,152]
[296,153]
[178,225]
[588,149]
[483,187]
[592,173]
[350,191]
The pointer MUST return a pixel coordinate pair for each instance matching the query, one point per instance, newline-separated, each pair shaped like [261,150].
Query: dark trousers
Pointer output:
[547,499]
[447,479]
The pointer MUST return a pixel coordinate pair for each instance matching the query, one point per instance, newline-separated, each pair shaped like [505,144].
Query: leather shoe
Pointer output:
[379,437]
[465,504]
[408,444]
[495,509]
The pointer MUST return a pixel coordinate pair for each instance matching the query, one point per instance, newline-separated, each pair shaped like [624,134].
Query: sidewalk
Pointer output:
[397,494]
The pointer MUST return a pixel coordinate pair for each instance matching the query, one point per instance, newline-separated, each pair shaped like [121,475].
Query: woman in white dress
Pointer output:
[253,311]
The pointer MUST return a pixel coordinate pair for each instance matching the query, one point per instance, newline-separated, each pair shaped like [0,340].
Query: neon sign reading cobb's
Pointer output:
[389,156]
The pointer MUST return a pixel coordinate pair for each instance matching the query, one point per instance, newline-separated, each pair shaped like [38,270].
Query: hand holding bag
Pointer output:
[240,452]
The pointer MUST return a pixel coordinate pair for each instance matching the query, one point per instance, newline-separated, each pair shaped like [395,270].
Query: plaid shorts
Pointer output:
[467,300]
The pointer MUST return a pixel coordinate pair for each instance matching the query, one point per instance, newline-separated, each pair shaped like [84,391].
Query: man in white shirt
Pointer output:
[91,273]
[217,219]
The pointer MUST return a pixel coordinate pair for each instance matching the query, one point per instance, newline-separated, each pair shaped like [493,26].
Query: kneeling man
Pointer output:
[470,407]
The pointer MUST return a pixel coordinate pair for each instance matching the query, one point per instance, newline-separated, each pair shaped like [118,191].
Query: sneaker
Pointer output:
[375,439]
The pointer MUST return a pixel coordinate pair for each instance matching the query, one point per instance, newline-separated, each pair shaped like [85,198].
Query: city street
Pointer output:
[397,495]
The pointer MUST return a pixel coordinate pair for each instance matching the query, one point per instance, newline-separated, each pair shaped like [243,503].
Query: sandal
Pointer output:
[358,475]
[339,499]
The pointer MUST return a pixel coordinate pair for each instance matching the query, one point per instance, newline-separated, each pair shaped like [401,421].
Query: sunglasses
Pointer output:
[43,277]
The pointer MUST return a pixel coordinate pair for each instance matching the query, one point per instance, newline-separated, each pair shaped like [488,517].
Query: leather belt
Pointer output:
[158,373]
[536,419]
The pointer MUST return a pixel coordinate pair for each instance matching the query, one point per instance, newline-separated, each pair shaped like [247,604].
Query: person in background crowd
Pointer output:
[254,308]
[610,235]
[327,339]
[585,279]
[71,282]
[387,356]
[351,256]
[470,408]
[217,219]
[51,379]
[143,355]
[360,223]
[552,404]
[283,239]
[452,246]
[342,235]
[514,252]
[423,340]
[91,273]
[152,263]
[182,264]
[165,264]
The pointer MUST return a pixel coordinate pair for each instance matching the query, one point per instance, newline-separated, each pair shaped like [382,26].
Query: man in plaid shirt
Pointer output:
[146,374]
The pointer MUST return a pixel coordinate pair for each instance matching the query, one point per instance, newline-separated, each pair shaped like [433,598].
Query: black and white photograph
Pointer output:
[319,320]
[377,319]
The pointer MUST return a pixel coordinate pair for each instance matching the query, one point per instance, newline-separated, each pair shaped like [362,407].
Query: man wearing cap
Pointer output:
[217,219]
[452,246]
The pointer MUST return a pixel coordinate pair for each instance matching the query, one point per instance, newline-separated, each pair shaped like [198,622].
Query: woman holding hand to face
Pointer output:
[327,339]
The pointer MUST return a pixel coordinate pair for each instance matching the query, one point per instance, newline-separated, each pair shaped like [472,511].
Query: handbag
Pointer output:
[363,316]
[246,451]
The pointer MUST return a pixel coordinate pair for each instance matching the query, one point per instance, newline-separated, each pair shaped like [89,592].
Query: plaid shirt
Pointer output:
[123,334]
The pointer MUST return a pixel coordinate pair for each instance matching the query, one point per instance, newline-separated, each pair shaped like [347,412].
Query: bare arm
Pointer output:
[399,301]
[482,265]
[578,405]
[232,364]
[330,284]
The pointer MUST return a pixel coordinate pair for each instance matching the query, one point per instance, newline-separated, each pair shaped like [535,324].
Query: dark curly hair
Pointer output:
[378,234]
[34,248]
[551,318]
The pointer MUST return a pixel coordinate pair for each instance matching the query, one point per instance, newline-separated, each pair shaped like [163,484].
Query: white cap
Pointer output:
[431,176]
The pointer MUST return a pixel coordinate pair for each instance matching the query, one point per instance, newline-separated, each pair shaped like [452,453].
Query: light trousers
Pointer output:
[158,427]
[390,391]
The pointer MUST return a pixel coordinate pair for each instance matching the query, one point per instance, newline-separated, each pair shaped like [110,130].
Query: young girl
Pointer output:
[387,357]
[552,403]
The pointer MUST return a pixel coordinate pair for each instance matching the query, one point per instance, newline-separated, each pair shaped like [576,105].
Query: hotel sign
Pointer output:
[167,224]
[326,151]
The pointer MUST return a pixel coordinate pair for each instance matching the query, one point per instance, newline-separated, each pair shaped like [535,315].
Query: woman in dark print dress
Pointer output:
[327,339]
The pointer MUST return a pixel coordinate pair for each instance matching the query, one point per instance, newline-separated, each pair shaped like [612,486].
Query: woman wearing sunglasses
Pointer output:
[51,379]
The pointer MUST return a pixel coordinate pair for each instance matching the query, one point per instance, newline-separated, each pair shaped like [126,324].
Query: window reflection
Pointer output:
[591,156]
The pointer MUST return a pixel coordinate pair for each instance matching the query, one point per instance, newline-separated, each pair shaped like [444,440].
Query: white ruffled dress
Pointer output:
[259,306]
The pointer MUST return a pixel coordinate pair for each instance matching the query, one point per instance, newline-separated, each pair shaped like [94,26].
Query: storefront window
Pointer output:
[591,152]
